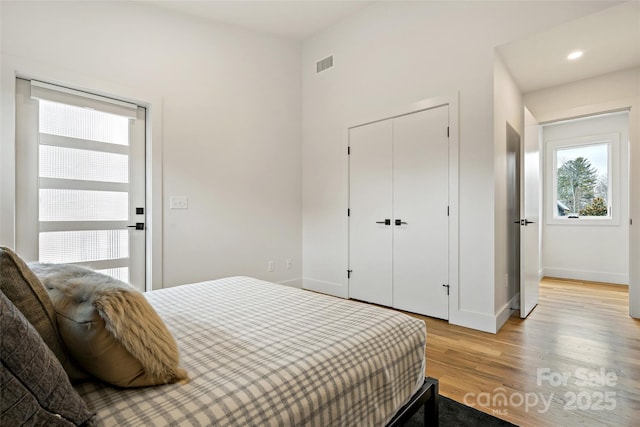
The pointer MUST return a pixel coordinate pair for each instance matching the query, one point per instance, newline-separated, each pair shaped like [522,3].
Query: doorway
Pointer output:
[586,198]
[523,236]
[513,208]
[80,174]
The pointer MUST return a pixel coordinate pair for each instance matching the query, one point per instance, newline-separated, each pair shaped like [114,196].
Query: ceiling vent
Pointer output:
[324,64]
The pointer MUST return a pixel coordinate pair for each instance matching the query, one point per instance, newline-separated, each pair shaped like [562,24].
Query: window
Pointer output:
[581,176]
[64,162]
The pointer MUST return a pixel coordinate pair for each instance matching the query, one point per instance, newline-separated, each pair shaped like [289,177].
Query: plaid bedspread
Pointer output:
[261,354]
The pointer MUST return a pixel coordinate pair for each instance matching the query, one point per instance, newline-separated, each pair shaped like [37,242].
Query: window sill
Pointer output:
[584,221]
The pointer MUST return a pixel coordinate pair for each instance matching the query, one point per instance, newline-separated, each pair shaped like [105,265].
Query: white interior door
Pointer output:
[530,225]
[371,211]
[80,180]
[420,223]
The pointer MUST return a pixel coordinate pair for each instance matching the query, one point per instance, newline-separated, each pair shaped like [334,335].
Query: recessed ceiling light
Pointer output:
[575,55]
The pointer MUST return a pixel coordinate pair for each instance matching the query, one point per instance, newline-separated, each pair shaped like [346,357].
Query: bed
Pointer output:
[259,353]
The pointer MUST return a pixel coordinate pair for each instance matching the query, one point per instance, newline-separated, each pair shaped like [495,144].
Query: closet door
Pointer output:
[420,200]
[370,190]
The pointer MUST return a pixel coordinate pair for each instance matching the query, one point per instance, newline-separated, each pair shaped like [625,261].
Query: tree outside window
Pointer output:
[582,181]
[582,173]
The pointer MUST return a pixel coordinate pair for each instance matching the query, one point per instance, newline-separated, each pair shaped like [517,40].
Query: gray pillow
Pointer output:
[35,390]
[28,294]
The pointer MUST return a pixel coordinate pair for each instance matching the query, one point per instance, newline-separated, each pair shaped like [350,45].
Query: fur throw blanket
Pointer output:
[110,328]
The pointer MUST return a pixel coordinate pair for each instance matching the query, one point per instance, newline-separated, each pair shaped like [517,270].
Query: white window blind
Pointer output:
[63,95]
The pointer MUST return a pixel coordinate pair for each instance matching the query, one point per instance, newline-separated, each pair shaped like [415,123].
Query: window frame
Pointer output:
[612,141]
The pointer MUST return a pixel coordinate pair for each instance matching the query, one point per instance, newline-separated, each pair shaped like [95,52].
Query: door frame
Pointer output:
[452,101]
[568,113]
[16,67]
[515,196]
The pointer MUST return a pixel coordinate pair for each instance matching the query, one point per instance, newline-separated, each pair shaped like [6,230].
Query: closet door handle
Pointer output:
[385,222]
[400,222]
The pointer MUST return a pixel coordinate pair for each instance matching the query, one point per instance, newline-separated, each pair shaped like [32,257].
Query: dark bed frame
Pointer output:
[426,396]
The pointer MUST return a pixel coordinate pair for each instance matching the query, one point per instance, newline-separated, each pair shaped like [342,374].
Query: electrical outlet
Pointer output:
[178,202]
[289,263]
[271,266]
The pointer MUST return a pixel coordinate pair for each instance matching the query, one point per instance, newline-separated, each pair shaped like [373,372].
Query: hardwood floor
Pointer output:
[574,361]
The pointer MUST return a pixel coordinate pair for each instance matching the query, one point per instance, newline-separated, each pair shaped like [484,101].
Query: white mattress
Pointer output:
[269,355]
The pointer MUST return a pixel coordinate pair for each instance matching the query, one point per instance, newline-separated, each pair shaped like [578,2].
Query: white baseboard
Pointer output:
[485,322]
[331,288]
[294,283]
[514,302]
[591,276]
[507,311]
[473,320]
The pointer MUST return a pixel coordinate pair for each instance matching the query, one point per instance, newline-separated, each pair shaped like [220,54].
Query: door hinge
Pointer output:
[348,212]
[447,131]
[348,151]
[447,210]
[349,274]
[446,285]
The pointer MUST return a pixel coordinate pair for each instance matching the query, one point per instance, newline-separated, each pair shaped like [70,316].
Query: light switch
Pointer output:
[178,202]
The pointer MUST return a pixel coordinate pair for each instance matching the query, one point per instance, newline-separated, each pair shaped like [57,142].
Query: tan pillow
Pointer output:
[110,328]
[25,291]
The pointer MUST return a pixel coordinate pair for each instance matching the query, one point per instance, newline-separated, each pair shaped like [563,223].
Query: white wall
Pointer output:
[392,54]
[589,252]
[605,93]
[231,123]
[508,108]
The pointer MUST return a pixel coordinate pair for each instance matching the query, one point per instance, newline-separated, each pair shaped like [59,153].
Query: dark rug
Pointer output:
[454,414]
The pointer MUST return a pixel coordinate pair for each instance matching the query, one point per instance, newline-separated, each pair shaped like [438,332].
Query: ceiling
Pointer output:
[610,38]
[297,19]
